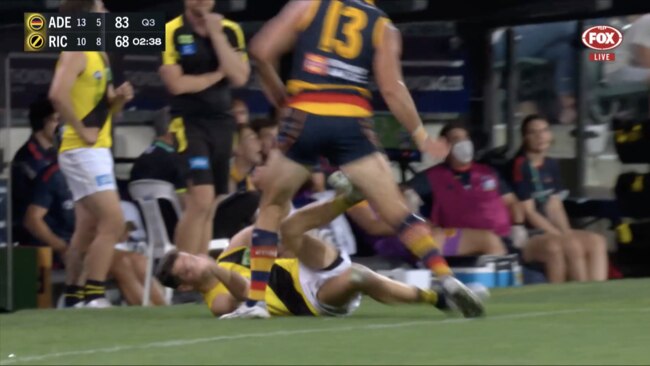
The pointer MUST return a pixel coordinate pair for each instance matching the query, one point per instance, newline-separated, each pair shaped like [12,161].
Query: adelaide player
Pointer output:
[336,46]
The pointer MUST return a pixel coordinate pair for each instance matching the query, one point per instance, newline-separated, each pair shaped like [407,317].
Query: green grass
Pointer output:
[606,323]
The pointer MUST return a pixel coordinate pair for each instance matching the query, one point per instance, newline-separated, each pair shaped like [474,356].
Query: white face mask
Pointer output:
[463,151]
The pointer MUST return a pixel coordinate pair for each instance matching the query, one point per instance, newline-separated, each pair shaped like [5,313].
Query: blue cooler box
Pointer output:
[490,271]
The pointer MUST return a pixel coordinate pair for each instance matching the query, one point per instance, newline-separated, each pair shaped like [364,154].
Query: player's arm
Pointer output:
[276,38]
[178,83]
[71,64]
[236,284]
[174,78]
[118,97]
[223,304]
[35,223]
[231,54]
[388,74]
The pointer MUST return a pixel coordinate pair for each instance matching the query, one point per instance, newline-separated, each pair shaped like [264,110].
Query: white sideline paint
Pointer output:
[185,342]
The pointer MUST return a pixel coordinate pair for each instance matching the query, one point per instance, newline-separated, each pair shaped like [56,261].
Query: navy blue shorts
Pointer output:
[305,137]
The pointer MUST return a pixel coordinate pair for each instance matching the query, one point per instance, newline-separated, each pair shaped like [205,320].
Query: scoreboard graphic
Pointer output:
[131,33]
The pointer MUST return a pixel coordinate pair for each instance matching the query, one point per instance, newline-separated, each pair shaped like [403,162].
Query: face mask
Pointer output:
[463,151]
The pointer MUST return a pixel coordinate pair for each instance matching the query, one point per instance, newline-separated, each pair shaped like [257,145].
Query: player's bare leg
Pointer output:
[105,207]
[373,177]
[283,183]
[208,229]
[341,290]
[196,220]
[85,231]
[307,218]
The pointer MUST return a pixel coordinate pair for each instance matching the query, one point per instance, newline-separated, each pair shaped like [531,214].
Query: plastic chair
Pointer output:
[147,192]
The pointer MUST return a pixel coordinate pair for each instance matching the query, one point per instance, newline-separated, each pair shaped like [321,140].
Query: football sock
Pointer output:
[416,235]
[73,295]
[94,290]
[434,298]
[264,249]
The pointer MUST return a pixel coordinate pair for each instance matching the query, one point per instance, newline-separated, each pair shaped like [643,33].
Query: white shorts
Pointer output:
[311,281]
[88,171]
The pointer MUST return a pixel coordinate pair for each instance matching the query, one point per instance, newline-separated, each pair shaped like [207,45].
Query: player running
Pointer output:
[336,45]
[320,281]
[82,93]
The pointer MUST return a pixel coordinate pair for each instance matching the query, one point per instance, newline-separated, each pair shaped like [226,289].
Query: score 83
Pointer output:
[121,22]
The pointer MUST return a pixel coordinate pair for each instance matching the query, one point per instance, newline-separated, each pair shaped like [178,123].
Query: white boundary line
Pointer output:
[185,342]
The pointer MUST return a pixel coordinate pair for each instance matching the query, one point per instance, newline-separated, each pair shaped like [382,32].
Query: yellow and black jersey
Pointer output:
[90,103]
[284,295]
[196,55]
[333,58]
[243,182]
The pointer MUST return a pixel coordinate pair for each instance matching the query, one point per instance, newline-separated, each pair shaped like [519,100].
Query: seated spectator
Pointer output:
[473,205]
[464,194]
[633,56]
[161,161]
[239,111]
[128,269]
[576,255]
[50,214]
[247,155]
[50,219]
[30,160]
[380,237]
[555,43]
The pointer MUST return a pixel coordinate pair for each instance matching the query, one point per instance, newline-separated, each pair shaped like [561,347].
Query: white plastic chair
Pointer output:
[147,192]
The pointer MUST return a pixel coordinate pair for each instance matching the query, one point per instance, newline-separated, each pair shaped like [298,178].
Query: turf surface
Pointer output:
[606,323]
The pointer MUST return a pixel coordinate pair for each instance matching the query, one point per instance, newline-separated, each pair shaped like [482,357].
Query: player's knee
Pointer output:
[112,226]
[553,251]
[359,275]
[573,248]
[121,267]
[138,263]
[290,228]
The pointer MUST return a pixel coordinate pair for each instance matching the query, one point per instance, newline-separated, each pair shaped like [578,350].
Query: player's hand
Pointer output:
[437,149]
[213,23]
[124,93]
